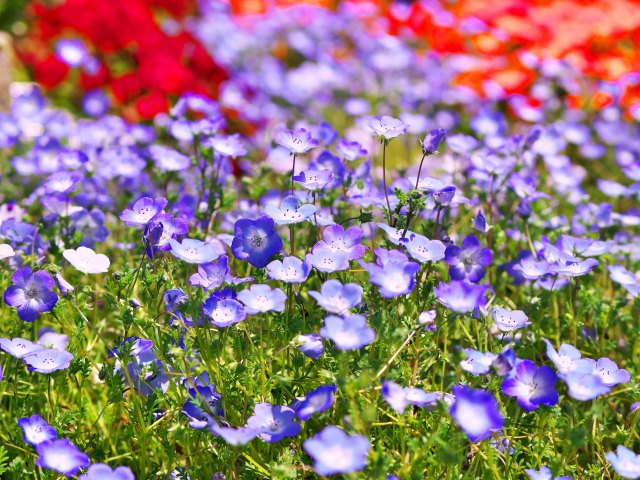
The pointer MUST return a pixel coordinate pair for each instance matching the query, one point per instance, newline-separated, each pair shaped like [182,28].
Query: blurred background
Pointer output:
[262,57]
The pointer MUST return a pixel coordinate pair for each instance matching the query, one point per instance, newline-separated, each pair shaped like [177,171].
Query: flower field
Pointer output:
[350,239]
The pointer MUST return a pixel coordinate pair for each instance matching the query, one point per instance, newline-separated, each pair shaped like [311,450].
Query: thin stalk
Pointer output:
[384,178]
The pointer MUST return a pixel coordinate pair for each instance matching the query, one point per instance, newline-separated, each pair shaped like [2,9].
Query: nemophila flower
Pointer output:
[72,51]
[609,372]
[314,179]
[476,362]
[86,260]
[143,211]
[317,400]
[167,159]
[173,299]
[48,360]
[261,299]
[573,267]
[222,311]
[624,277]
[337,239]
[476,412]
[334,451]
[337,298]
[61,456]
[428,319]
[201,406]
[211,274]
[502,445]
[399,398]
[290,211]
[274,422]
[227,145]
[532,386]
[531,268]
[584,386]
[568,359]
[468,262]
[90,225]
[296,141]
[544,474]
[194,251]
[509,320]
[19,347]
[101,471]
[62,182]
[424,250]
[393,272]
[36,430]
[350,150]
[48,338]
[289,270]
[480,223]
[460,296]
[625,462]
[311,345]
[326,260]
[6,251]
[350,333]
[256,241]
[95,103]
[234,436]
[386,127]
[432,141]
[31,293]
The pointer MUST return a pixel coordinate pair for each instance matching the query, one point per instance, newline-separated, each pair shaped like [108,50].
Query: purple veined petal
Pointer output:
[48,360]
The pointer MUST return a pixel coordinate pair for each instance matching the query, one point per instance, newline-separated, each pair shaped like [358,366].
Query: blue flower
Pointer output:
[223,311]
[461,297]
[468,262]
[290,211]
[296,141]
[509,320]
[36,430]
[19,347]
[337,239]
[317,400]
[314,179]
[432,141]
[609,372]
[61,456]
[351,333]
[311,346]
[234,436]
[422,249]
[625,462]
[274,422]
[584,386]
[201,406]
[544,474]
[350,150]
[476,412]
[289,270]
[31,293]
[337,298]
[143,211]
[194,251]
[326,260]
[211,275]
[532,386]
[393,272]
[48,360]
[90,224]
[100,471]
[261,299]
[476,362]
[334,451]
[399,398]
[386,127]
[256,240]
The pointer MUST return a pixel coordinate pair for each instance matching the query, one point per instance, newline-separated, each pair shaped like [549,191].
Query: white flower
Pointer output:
[6,251]
[86,260]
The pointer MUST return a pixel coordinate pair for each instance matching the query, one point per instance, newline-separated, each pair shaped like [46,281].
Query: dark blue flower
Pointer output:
[532,386]
[256,241]
[31,293]
[274,422]
[468,261]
